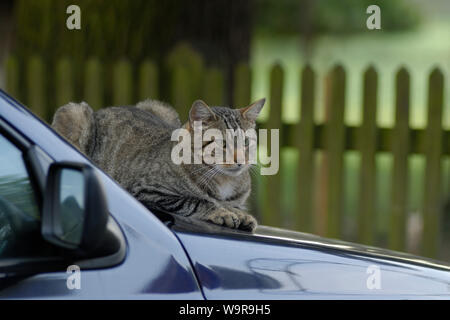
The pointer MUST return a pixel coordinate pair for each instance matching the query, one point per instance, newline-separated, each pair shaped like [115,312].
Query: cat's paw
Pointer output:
[223,217]
[248,222]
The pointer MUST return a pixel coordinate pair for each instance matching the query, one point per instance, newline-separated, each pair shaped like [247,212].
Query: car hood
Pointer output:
[274,263]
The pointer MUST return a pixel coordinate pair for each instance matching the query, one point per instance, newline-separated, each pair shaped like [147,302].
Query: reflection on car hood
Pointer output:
[277,234]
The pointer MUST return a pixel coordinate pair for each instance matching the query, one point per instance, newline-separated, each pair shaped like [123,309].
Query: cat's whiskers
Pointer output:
[204,176]
[208,176]
[254,169]
[202,167]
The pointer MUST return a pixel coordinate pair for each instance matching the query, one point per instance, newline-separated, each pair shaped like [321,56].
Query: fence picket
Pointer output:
[400,141]
[36,87]
[148,81]
[181,94]
[433,154]
[304,143]
[368,145]
[186,69]
[242,86]
[272,212]
[12,77]
[64,84]
[335,138]
[122,84]
[213,87]
[93,84]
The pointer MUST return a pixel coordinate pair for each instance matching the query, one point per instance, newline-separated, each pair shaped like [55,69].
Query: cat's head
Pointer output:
[222,119]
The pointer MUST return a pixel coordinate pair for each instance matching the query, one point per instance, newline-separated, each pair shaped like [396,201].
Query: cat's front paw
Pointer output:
[223,217]
[248,222]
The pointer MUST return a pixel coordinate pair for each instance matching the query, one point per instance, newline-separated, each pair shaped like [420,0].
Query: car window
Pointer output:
[19,213]
[15,184]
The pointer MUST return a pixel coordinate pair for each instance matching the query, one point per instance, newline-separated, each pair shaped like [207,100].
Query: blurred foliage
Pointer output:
[114,29]
[110,28]
[330,16]
[136,31]
[147,28]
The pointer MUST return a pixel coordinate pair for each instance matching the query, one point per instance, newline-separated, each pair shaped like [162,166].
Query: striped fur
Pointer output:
[132,144]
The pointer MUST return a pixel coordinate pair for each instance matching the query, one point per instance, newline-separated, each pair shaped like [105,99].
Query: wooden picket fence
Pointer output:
[190,79]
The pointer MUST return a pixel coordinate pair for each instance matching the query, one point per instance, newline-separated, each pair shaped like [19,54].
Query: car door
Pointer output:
[21,244]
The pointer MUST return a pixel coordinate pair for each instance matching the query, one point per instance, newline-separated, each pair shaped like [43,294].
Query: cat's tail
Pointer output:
[162,110]
[75,122]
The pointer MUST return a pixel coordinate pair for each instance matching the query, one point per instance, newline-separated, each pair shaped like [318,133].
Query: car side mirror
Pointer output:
[75,211]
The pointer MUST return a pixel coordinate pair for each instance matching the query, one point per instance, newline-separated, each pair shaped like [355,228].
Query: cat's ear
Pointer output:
[200,111]
[252,111]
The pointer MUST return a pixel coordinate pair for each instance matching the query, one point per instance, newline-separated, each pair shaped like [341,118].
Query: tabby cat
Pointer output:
[133,145]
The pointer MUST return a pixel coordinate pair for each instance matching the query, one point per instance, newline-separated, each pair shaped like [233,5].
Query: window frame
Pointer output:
[29,158]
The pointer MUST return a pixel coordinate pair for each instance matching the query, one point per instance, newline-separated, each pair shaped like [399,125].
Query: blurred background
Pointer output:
[364,114]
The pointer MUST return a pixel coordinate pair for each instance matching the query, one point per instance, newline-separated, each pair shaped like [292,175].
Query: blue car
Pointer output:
[68,231]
